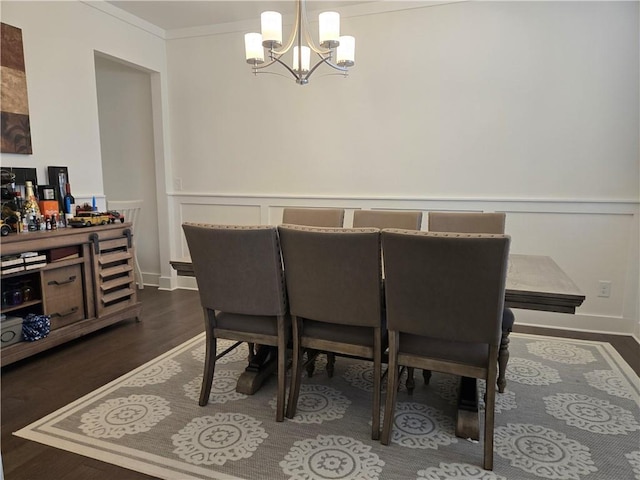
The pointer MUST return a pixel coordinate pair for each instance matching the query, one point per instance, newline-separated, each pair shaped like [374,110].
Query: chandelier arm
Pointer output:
[326,60]
[307,35]
[282,75]
[296,76]
[292,36]
[333,65]
[256,67]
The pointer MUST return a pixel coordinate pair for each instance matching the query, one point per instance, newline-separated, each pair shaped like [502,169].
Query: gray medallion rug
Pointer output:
[570,411]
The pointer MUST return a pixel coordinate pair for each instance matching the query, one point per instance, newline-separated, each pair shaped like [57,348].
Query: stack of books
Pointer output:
[25,261]
[11,264]
[33,260]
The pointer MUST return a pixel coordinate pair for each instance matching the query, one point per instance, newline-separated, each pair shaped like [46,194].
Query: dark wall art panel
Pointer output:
[15,131]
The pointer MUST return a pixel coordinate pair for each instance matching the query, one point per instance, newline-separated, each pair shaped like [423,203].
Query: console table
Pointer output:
[85,283]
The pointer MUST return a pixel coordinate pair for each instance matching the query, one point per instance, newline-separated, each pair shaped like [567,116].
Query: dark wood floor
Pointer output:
[40,385]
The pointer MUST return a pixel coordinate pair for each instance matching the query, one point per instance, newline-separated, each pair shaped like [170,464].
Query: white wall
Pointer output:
[61,40]
[128,160]
[528,108]
[475,99]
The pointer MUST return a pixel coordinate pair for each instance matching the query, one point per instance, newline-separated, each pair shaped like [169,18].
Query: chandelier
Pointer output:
[331,43]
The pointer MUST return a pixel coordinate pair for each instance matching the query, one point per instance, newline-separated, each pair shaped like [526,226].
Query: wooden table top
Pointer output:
[534,282]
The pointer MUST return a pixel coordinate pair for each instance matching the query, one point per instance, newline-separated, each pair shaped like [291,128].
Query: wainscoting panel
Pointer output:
[592,241]
[216,213]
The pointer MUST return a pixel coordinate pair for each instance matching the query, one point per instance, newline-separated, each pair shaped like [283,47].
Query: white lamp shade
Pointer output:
[346,51]
[271,24]
[329,29]
[254,52]
[306,59]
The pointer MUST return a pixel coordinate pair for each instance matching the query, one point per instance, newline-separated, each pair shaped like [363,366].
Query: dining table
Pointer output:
[534,282]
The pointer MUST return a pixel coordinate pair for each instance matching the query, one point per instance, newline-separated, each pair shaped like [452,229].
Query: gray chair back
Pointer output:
[314,217]
[238,268]
[445,297]
[333,274]
[445,286]
[334,283]
[242,291]
[466,222]
[408,220]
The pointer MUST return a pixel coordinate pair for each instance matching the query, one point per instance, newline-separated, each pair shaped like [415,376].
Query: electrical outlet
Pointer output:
[604,288]
[177,184]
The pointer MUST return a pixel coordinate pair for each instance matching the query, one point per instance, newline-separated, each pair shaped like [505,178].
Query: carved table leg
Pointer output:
[311,364]
[331,364]
[503,359]
[426,375]
[467,424]
[262,364]
[411,383]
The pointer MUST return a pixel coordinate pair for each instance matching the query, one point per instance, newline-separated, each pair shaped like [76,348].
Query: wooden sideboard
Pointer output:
[91,287]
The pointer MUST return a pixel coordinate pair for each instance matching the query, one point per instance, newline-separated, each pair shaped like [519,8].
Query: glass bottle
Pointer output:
[27,291]
[31,208]
[69,203]
[17,198]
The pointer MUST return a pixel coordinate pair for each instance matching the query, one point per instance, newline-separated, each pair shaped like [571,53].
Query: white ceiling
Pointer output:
[170,15]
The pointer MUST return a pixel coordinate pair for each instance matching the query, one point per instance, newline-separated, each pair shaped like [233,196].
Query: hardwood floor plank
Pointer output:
[37,386]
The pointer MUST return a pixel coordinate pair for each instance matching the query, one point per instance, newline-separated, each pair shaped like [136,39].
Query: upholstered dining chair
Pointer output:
[314,217]
[479,222]
[241,284]
[444,299]
[335,299]
[409,220]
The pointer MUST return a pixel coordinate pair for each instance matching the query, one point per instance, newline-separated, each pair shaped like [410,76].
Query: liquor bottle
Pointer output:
[31,203]
[69,203]
[17,198]
[30,208]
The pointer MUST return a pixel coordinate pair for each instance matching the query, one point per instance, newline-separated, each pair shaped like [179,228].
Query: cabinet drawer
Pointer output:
[64,295]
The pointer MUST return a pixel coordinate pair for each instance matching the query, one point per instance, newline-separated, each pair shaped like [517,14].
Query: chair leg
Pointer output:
[137,272]
[377,375]
[489,411]
[282,363]
[209,369]
[311,364]
[296,370]
[426,376]
[392,381]
[503,359]
[411,383]
[331,363]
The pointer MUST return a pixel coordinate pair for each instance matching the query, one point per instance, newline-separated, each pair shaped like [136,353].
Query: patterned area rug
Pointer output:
[571,411]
